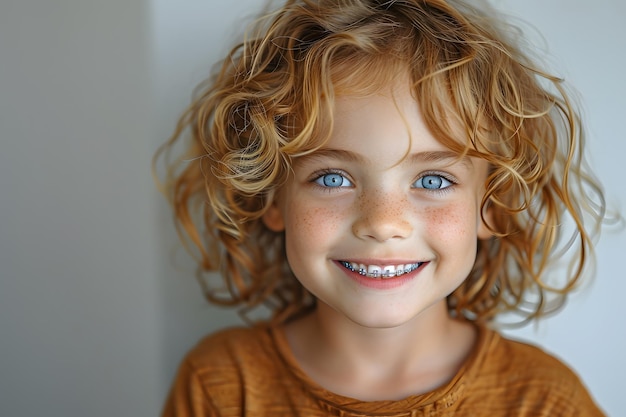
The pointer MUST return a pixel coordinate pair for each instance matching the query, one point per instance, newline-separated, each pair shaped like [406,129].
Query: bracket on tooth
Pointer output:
[384,274]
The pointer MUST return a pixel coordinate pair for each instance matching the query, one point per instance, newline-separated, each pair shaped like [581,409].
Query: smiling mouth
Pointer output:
[377,271]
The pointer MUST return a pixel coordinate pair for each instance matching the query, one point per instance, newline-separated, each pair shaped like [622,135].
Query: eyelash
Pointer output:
[320,174]
[445,177]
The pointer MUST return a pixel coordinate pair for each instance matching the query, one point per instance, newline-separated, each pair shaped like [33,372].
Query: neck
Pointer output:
[415,338]
[380,363]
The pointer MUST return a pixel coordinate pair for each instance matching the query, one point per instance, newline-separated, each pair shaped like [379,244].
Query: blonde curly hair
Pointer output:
[272,102]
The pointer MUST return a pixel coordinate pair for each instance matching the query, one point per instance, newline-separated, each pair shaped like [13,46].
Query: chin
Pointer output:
[384,321]
[388,317]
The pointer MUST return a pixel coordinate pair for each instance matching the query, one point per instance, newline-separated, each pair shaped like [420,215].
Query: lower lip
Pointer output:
[382,283]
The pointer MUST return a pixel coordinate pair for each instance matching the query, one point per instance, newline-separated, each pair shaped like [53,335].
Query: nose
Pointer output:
[382,217]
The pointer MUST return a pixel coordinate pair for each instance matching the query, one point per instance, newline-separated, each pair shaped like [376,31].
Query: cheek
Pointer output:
[452,224]
[311,226]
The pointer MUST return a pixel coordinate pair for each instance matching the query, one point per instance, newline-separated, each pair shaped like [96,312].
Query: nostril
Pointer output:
[382,230]
[382,216]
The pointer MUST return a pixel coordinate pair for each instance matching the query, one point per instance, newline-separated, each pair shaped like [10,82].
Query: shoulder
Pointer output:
[524,374]
[233,355]
[524,360]
[216,373]
[526,356]
[229,343]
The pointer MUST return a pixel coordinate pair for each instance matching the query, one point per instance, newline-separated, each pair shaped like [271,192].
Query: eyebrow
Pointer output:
[414,158]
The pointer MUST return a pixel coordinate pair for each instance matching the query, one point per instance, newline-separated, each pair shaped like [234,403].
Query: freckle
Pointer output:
[437,217]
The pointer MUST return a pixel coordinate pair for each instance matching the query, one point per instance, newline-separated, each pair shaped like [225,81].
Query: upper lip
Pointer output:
[380,262]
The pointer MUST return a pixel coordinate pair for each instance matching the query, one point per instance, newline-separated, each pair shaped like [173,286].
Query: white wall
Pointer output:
[94,312]
[79,328]
[585,44]
[189,36]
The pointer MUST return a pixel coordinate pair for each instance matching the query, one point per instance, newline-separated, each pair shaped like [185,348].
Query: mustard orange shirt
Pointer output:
[251,372]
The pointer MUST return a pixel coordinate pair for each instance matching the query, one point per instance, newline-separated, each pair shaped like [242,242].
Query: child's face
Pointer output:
[362,202]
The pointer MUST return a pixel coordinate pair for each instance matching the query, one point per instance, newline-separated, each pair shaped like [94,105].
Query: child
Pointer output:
[388,178]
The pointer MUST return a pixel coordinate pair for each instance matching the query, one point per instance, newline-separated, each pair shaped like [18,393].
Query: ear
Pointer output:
[273,218]
[484,232]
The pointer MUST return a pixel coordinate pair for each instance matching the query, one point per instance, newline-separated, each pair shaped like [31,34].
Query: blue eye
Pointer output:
[432,182]
[333,180]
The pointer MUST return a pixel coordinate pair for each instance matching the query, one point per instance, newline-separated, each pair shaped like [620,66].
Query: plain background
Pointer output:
[97,303]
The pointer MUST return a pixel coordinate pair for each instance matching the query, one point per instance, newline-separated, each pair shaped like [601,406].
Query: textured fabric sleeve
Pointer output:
[223,375]
[536,383]
[584,403]
[187,397]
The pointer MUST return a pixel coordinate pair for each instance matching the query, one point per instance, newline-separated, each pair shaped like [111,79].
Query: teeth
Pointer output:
[389,271]
[384,272]
[373,271]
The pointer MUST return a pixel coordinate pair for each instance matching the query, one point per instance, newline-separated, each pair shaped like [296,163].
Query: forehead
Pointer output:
[394,82]
[387,98]
[385,129]
[391,113]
